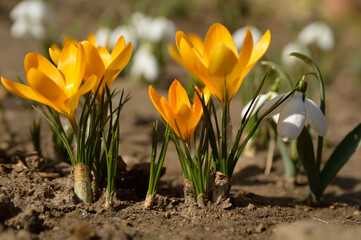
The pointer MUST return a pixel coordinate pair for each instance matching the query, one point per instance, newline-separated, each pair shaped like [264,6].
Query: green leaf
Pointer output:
[342,153]
[307,157]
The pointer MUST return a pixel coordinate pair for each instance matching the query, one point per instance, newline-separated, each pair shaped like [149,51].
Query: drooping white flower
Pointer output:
[240,34]
[318,33]
[145,64]
[31,18]
[293,47]
[258,103]
[292,116]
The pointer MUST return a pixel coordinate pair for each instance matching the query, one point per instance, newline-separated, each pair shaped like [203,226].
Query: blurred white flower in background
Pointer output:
[145,64]
[318,33]
[126,31]
[146,34]
[32,18]
[293,47]
[292,115]
[152,29]
[102,36]
[240,34]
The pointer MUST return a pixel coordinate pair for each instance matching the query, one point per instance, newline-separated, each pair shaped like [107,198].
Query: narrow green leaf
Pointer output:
[307,157]
[342,153]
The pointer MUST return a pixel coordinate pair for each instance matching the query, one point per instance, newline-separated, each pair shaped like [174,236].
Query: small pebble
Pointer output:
[251,206]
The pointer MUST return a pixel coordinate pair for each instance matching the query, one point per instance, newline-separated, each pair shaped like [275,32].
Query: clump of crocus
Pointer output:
[221,68]
[183,119]
[80,69]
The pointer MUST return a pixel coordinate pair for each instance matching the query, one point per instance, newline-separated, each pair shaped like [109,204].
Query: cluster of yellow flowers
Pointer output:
[217,64]
[78,68]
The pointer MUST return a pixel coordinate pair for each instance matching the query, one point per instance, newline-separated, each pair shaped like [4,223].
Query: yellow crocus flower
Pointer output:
[102,63]
[178,111]
[58,87]
[218,64]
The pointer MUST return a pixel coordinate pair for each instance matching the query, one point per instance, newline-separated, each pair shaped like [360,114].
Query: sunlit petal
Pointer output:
[197,42]
[260,48]
[94,64]
[258,103]
[177,96]
[222,61]
[34,60]
[157,102]
[216,35]
[315,117]
[118,64]
[193,59]
[118,48]
[292,118]
[54,53]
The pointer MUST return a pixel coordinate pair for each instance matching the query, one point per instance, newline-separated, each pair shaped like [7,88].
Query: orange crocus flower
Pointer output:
[178,111]
[58,87]
[218,63]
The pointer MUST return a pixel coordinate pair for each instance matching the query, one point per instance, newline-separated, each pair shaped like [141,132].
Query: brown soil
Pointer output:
[36,196]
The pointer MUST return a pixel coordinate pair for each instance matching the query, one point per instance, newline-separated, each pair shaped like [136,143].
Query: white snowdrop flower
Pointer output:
[127,32]
[102,36]
[152,29]
[240,34]
[318,33]
[293,47]
[292,116]
[260,100]
[145,64]
[31,18]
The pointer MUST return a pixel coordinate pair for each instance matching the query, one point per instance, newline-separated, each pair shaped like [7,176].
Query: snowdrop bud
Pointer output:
[315,117]
[318,33]
[289,48]
[240,34]
[145,64]
[292,118]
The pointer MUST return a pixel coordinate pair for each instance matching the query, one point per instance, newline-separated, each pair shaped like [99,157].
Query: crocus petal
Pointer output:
[159,104]
[22,90]
[269,104]
[247,48]
[94,64]
[34,60]
[89,84]
[222,61]
[44,86]
[116,66]
[72,65]
[177,96]
[92,40]
[197,42]
[217,34]
[315,117]
[173,52]
[54,53]
[292,118]
[260,48]
[118,48]
[193,59]
[104,55]
[257,52]
[184,121]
